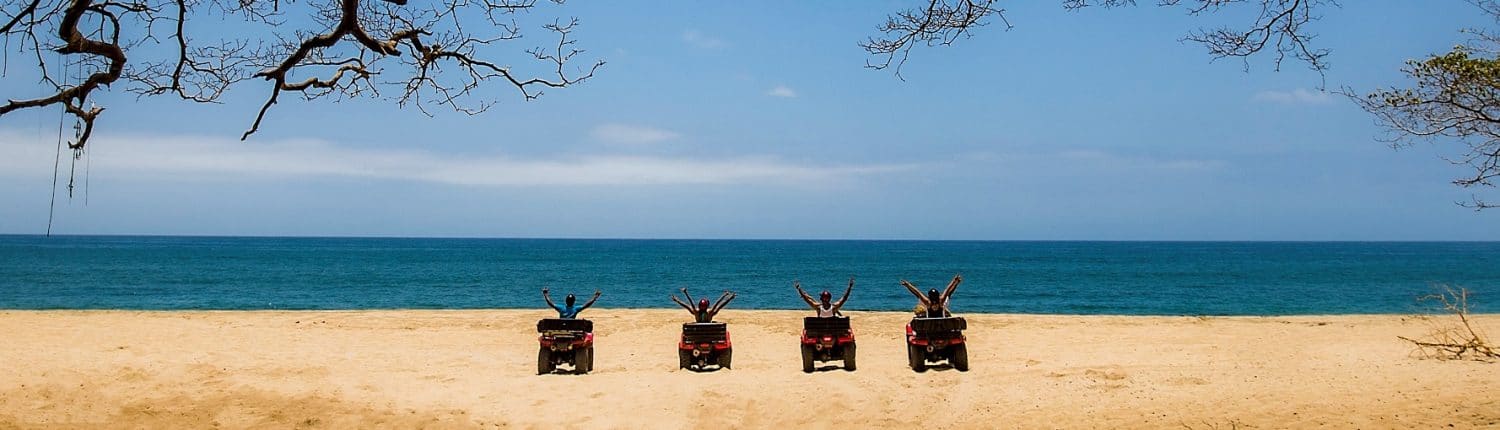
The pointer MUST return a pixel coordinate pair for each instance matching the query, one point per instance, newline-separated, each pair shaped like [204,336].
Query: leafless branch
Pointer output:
[939,23]
[1454,341]
[353,42]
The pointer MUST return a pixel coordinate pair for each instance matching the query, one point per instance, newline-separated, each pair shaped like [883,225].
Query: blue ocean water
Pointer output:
[1133,278]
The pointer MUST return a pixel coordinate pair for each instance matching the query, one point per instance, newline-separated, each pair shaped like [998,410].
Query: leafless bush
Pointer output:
[1453,341]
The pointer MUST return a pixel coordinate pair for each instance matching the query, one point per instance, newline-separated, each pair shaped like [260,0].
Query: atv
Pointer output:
[565,341]
[827,339]
[937,339]
[704,344]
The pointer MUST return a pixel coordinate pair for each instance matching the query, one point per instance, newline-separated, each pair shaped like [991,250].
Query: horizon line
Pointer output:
[733,239]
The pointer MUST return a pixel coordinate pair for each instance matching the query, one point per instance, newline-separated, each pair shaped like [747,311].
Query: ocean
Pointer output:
[1119,278]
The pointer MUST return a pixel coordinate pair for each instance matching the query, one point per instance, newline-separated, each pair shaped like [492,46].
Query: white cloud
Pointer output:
[1297,96]
[782,91]
[185,158]
[632,134]
[698,39]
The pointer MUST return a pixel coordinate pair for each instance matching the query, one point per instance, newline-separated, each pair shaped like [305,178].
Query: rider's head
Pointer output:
[825,297]
[932,296]
[570,299]
[703,305]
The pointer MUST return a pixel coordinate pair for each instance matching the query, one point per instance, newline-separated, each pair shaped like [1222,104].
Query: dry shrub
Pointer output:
[1453,340]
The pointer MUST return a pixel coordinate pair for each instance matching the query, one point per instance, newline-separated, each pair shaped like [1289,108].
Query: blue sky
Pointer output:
[758,121]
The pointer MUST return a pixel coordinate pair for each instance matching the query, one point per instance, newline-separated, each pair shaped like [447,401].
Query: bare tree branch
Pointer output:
[1454,341]
[1279,26]
[939,23]
[343,57]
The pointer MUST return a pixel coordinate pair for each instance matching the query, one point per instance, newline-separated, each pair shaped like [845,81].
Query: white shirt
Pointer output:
[827,312]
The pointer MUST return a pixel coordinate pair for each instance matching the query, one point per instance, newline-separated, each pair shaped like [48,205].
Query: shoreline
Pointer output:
[476,369]
[1433,313]
[731,239]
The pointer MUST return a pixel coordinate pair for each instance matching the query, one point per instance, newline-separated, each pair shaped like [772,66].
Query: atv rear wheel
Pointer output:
[807,358]
[584,361]
[724,358]
[684,359]
[960,357]
[849,357]
[543,361]
[915,358]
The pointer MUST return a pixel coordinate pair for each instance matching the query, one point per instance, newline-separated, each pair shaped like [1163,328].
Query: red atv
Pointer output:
[827,339]
[704,344]
[565,341]
[937,339]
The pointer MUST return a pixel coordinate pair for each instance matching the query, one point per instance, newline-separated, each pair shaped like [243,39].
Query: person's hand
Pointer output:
[597,293]
[544,290]
[683,290]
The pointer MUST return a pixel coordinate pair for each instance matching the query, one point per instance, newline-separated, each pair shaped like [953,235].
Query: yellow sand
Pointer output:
[462,369]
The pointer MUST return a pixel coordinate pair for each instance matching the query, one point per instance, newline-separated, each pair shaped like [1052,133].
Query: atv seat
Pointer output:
[825,325]
[704,332]
[938,326]
[557,324]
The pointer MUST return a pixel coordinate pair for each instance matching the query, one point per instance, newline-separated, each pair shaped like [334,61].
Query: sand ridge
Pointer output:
[475,369]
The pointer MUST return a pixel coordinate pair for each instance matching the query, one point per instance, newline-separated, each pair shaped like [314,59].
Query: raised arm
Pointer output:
[548,298]
[689,297]
[952,285]
[805,297]
[684,305]
[723,301]
[597,293]
[840,304]
[915,292]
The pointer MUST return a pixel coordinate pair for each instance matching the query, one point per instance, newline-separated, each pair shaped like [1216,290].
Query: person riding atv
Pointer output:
[568,310]
[825,306]
[933,304]
[704,342]
[704,313]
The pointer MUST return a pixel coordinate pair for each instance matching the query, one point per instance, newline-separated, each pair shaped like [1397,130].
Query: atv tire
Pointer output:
[807,358]
[960,357]
[583,363]
[684,359]
[543,361]
[724,358]
[915,358]
[849,358]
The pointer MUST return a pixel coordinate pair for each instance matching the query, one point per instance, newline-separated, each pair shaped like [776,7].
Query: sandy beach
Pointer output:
[475,369]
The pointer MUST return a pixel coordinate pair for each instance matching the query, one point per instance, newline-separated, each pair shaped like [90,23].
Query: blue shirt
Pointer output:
[567,312]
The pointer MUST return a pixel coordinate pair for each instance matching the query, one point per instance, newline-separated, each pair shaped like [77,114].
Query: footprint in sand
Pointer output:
[1108,374]
[1112,378]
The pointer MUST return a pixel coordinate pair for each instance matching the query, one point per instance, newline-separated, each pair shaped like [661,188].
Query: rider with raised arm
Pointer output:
[825,306]
[933,304]
[568,310]
[704,313]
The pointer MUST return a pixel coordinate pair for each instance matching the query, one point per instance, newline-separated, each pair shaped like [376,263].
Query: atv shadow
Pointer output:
[561,371]
[707,369]
[945,367]
[827,368]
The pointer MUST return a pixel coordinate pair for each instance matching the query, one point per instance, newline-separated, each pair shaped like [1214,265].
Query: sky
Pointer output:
[760,121]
